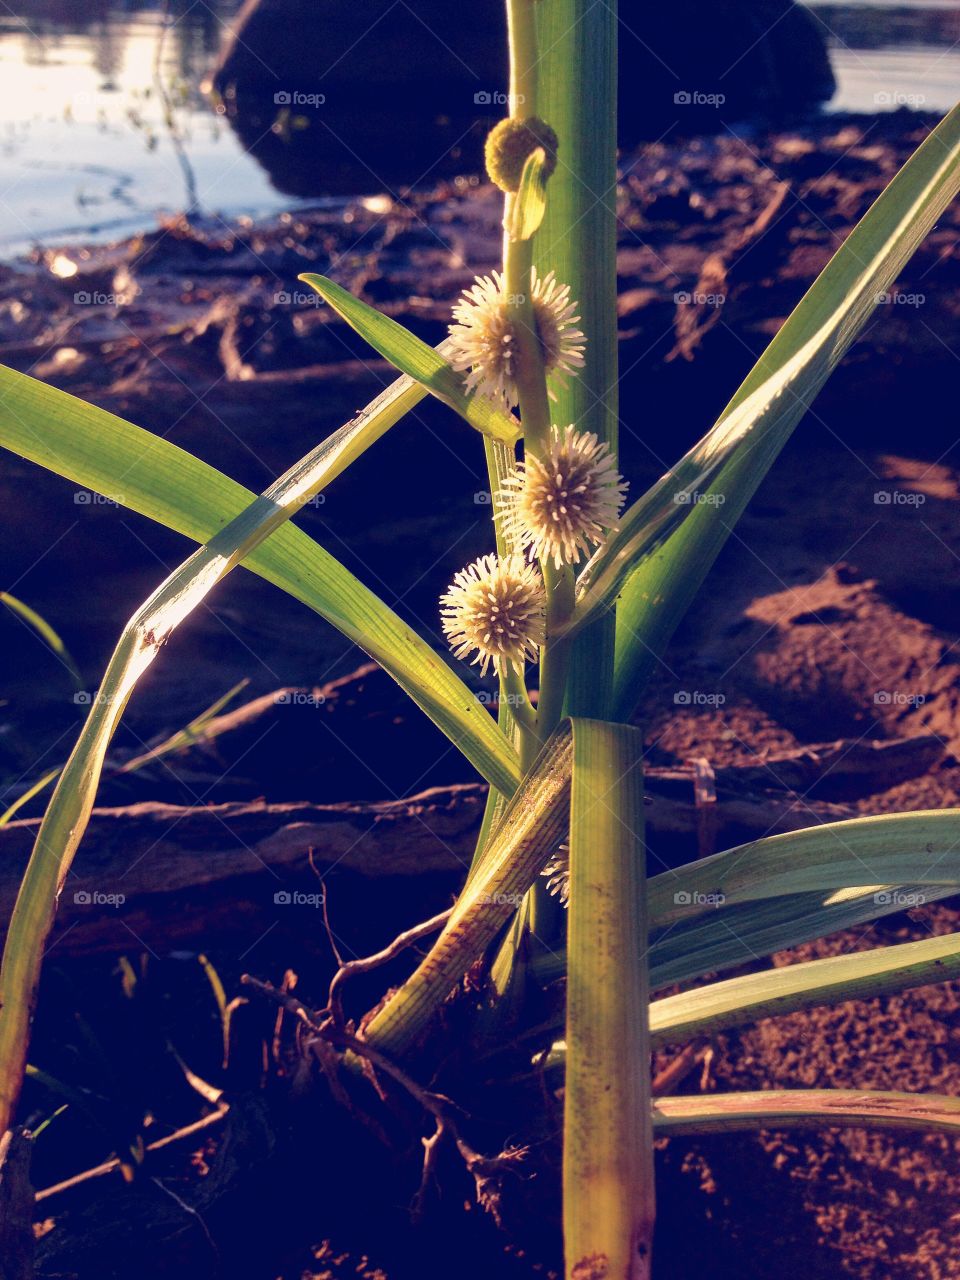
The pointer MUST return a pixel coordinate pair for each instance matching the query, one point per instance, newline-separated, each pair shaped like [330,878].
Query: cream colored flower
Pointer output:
[496,609]
[557,875]
[563,504]
[484,343]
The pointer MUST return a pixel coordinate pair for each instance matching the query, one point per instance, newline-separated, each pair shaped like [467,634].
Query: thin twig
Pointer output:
[110,1166]
[364,964]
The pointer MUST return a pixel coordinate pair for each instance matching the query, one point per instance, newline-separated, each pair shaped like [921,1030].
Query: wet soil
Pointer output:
[832,613]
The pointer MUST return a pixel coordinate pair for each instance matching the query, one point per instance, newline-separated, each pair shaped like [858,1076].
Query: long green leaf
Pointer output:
[774,397]
[425,364]
[806,1109]
[748,931]
[922,847]
[533,825]
[608,1183]
[45,631]
[882,971]
[144,472]
[69,810]
[784,890]
[773,992]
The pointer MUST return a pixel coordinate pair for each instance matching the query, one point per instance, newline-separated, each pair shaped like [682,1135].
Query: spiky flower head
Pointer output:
[564,503]
[557,875]
[509,145]
[495,609]
[484,342]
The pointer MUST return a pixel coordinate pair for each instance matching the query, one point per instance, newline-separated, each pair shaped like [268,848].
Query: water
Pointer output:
[103,127]
[892,53]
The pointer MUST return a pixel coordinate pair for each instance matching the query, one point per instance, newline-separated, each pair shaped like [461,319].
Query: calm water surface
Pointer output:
[103,127]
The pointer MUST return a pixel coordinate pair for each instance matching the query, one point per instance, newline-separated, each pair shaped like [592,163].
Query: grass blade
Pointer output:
[46,632]
[424,364]
[806,1109]
[533,825]
[737,1001]
[864,974]
[775,395]
[67,816]
[885,850]
[147,474]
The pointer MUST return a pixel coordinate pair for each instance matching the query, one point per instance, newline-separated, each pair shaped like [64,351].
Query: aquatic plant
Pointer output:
[576,599]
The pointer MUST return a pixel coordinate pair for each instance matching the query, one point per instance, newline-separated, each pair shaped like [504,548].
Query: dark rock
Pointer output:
[361,76]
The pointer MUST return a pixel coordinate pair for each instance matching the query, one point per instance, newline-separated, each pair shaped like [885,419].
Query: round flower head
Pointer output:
[511,142]
[563,503]
[483,340]
[496,609]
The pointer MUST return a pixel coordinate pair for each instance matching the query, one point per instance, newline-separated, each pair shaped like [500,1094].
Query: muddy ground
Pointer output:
[832,614]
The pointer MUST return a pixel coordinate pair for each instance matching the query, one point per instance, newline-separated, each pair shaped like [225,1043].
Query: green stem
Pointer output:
[524,57]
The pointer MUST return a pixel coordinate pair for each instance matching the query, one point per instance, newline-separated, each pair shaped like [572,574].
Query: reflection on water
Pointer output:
[103,126]
[893,54]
